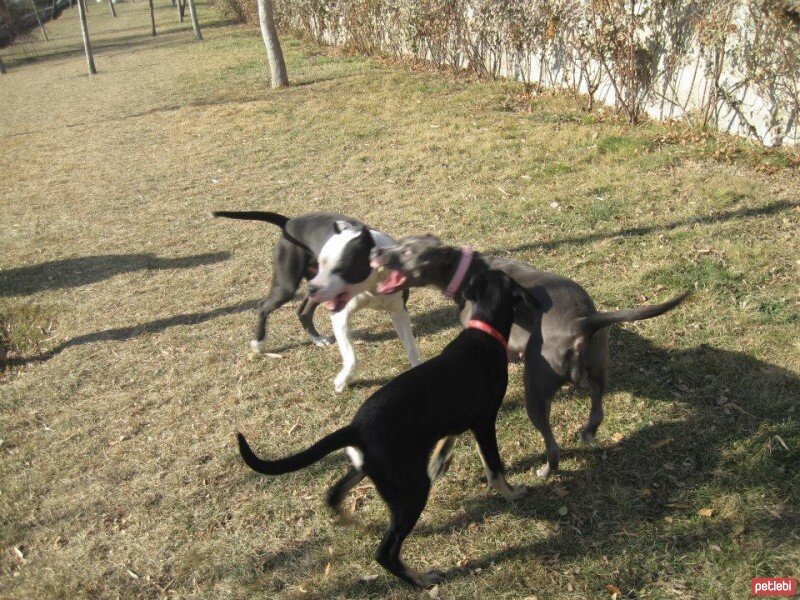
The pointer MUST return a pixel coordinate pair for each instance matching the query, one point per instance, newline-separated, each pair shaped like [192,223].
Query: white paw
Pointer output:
[322,341]
[544,471]
[258,347]
[340,383]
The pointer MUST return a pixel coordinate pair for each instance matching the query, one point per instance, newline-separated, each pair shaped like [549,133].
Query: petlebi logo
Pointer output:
[773,586]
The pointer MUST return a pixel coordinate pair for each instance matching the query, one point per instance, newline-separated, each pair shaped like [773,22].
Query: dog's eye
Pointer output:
[408,253]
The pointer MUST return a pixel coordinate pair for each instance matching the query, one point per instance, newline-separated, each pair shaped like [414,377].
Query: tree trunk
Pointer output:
[113,10]
[39,20]
[152,19]
[2,67]
[195,23]
[180,11]
[277,66]
[85,34]
[183,9]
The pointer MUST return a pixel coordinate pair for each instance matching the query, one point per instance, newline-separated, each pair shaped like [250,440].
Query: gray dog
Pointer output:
[565,340]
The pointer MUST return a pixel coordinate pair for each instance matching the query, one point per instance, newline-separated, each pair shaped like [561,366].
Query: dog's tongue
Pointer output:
[393,282]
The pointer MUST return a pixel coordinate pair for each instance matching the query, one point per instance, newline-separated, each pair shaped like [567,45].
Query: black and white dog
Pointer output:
[332,252]
[393,434]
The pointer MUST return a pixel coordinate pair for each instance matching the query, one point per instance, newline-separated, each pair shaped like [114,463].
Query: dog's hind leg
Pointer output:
[597,387]
[289,265]
[541,383]
[341,488]
[306,314]
[406,505]
[486,437]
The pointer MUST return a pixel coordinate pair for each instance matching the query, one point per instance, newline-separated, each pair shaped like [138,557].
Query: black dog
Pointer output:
[393,434]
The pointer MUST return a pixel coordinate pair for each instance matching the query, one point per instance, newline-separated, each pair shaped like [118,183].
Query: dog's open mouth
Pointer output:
[338,303]
[395,281]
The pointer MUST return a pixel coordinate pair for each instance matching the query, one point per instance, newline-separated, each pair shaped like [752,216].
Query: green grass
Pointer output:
[125,313]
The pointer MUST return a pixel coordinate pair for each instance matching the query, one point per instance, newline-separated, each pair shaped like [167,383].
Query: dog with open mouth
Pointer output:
[332,252]
[564,339]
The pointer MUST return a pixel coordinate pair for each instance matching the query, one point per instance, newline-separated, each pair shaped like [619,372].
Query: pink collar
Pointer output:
[461,271]
[486,328]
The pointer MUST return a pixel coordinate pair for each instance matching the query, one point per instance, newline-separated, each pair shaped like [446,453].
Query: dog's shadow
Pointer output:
[726,400]
[85,270]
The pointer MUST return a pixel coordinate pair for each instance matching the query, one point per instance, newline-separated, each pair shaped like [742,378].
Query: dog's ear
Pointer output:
[475,286]
[366,238]
[522,296]
[340,226]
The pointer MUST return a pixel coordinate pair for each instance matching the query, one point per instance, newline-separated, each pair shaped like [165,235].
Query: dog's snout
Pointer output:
[313,290]
[375,253]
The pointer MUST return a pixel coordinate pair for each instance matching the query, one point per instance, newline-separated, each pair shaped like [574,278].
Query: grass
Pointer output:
[126,314]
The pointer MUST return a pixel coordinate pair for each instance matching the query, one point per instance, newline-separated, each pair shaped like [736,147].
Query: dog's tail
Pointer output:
[346,436]
[253,215]
[599,320]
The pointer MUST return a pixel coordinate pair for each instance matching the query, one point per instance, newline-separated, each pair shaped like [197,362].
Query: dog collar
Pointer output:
[461,271]
[486,328]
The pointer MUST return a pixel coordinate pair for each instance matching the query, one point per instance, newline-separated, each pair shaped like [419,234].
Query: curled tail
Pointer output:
[346,436]
[599,320]
[253,215]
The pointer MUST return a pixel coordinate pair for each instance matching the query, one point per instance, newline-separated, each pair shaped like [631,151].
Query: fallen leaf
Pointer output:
[18,551]
[327,569]
[570,587]
[563,511]
[561,491]
[369,578]
[645,492]
[613,590]
[705,512]
[618,436]
[715,548]
[662,443]
[434,592]
[273,355]
[132,574]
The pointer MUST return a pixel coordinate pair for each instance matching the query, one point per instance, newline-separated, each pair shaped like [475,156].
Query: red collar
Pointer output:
[486,328]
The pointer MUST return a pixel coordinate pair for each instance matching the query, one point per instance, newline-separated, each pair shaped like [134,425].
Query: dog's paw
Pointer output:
[544,471]
[341,382]
[259,347]
[587,437]
[517,492]
[322,341]
[429,578]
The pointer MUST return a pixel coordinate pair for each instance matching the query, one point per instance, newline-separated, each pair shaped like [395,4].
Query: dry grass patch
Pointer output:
[119,472]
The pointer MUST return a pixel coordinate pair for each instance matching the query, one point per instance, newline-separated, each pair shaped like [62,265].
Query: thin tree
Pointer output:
[180,11]
[277,66]
[113,10]
[85,34]
[2,67]
[195,23]
[152,19]
[39,20]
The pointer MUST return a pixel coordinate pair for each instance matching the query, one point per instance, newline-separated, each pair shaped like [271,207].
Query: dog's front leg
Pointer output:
[341,330]
[402,325]
[486,437]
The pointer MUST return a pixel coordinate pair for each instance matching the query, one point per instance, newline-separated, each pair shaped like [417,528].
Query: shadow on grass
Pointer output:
[121,334]
[722,449]
[716,217]
[85,270]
